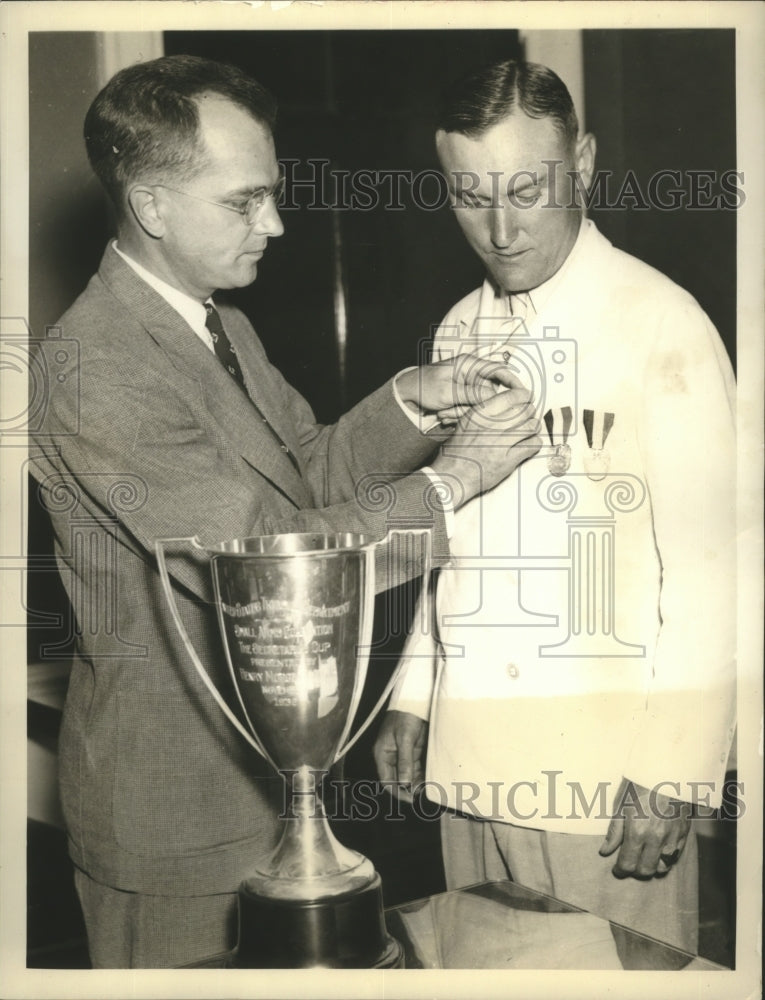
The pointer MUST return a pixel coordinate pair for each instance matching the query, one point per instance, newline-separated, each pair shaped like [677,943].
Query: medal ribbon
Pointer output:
[597,426]
[558,423]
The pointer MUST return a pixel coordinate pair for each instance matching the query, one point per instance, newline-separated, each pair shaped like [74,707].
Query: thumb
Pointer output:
[614,837]
[504,375]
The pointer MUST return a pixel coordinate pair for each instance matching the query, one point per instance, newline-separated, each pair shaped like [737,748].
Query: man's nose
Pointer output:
[503,225]
[269,222]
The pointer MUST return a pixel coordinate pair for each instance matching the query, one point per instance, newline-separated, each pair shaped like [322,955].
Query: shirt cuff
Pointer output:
[445,495]
[422,421]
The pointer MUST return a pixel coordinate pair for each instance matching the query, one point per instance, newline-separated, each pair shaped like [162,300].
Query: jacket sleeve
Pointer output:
[374,439]
[130,425]
[689,454]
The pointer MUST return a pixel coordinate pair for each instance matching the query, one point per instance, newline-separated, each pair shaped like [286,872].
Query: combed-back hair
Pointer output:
[144,124]
[481,100]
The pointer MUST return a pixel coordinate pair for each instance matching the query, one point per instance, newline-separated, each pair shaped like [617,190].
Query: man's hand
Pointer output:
[492,439]
[650,829]
[400,752]
[447,388]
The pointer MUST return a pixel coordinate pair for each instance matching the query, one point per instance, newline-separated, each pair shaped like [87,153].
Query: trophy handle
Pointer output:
[425,598]
[159,548]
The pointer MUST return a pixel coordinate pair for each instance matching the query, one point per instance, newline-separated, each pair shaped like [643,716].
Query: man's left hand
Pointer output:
[650,831]
[449,387]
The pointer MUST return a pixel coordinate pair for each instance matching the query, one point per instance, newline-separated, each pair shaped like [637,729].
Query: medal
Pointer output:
[558,463]
[597,425]
[558,423]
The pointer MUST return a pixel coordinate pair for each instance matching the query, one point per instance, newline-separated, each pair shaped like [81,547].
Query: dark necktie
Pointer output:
[226,354]
[222,345]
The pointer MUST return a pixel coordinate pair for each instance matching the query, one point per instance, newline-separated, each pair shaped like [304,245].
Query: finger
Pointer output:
[390,779]
[613,839]
[506,377]
[406,767]
[507,396]
[630,851]
[471,367]
[526,441]
[386,767]
[662,868]
[650,857]
[402,791]
[528,429]
[508,409]
[511,403]
[627,860]
[451,413]
[670,855]
[477,378]
[469,382]
[671,847]
[532,444]
[497,373]
[418,765]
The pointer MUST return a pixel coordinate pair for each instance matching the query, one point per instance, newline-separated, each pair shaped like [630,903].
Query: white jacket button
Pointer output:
[513,670]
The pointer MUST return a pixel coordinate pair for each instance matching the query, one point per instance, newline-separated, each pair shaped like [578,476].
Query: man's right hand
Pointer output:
[400,752]
[492,439]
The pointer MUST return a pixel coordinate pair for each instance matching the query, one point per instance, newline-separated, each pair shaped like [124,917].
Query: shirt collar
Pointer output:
[190,309]
[539,296]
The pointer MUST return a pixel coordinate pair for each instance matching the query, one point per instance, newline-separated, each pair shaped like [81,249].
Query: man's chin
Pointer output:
[512,279]
[517,275]
[244,275]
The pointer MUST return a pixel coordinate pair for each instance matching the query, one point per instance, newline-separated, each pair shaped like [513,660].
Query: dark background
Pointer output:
[656,100]
[365,100]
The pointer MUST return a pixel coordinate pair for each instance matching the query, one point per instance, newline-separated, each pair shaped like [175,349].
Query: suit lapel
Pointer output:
[226,403]
[263,391]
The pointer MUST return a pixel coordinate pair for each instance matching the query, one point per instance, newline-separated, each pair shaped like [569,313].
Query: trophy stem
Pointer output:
[308,863]
[313,902]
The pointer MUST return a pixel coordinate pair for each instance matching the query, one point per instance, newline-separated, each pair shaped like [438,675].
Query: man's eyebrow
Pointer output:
[464,189]
[522,185]
[249,189]
[245,192]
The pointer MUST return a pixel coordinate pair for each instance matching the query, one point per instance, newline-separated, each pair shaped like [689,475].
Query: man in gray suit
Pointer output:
[181,427]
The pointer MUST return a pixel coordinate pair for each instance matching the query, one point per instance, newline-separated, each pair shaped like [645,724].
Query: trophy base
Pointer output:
[346,931]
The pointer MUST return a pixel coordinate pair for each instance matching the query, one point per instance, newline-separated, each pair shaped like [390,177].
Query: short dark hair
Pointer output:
[481,100]
[145,121]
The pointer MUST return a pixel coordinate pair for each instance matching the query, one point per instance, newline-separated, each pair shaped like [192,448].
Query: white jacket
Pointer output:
[585,628]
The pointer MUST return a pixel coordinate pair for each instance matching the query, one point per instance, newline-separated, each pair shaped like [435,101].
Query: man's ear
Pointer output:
[584,158]
[147,210]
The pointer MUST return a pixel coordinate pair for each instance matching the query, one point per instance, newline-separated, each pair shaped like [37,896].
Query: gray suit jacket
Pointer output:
[147,436]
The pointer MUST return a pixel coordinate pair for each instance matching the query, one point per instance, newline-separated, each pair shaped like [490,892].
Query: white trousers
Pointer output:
[568,867]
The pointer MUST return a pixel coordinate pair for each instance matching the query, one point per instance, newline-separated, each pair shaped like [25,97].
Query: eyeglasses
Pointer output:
[249,209]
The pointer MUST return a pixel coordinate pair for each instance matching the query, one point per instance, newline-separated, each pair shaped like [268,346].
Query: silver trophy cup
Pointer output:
[295,614]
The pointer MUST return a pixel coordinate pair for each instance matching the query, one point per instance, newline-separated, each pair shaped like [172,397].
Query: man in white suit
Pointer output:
[576,694]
